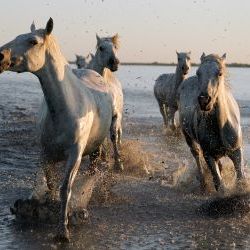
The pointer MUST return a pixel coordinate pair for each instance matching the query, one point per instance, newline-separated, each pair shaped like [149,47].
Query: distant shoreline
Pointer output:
[231,65]
[235,65]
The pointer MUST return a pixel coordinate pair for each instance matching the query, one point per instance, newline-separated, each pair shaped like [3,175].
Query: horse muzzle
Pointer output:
[5,60]
[185,70]
[114,68]
[113,64]
[205,102]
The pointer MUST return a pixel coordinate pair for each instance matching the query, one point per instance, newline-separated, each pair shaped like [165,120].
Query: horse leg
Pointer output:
[220,166]
[50,177]
[196,152]
[214,168]
[120,135]
[94,159]
[171,118]
[114,139]
[72,166]
[163,111]
[45,183]
[237,159]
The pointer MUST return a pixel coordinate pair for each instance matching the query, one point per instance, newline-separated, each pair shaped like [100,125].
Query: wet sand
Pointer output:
[149,212]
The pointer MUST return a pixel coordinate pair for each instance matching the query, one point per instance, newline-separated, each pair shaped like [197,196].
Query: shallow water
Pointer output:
[156,216]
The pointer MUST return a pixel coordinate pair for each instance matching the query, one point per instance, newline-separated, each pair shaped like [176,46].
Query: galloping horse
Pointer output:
[210,118]
[166,88]
[78,113]
[105,62]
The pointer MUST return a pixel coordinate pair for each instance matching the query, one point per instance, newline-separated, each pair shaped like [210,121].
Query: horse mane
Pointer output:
[53,49]
[108,75]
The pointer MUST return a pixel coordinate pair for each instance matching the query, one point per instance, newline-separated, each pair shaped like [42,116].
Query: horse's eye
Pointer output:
[33,42]
[198,73]
[101,48]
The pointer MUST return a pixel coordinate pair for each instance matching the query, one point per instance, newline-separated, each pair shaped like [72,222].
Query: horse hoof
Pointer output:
[62,236]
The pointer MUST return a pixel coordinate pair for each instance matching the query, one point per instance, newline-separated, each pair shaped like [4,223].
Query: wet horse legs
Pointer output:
[214,168]
[171,119]
[196,152]
[115,141]
[237,159]
[94,159]
[163,110]
[72,166]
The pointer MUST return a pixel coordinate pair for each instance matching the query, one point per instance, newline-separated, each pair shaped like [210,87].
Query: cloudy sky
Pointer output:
[150,30]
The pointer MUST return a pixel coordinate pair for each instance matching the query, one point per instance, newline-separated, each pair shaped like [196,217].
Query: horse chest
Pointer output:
[209,137]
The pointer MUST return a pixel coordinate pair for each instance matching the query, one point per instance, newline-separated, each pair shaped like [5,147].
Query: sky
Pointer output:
[150,30]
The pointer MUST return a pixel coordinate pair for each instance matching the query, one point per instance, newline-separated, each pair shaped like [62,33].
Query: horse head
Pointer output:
[5,61]
[80,61]
[106,53]
[27,52]
[211,75]
[184,61]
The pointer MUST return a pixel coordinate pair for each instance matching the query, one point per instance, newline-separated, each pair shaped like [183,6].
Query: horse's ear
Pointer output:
[33,27]
[224,57]
[98,39]
[49,26]
[115,39]
[202,56]
[177,53]
[92,55]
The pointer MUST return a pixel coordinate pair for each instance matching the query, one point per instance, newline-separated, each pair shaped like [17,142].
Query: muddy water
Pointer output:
[150,214]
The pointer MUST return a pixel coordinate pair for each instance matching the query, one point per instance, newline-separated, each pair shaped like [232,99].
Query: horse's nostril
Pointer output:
[1,56]
[204,99]
[111,61]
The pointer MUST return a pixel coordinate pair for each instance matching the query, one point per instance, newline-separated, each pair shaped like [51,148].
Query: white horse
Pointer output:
[166,88]
[105,62]
[79,113]
[210,119]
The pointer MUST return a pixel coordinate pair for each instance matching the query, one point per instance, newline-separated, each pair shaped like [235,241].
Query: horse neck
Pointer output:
[53,78]
[103,71]
[96,66]
[179,76]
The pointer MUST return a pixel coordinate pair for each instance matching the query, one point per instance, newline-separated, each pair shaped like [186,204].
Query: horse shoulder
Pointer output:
[187,103]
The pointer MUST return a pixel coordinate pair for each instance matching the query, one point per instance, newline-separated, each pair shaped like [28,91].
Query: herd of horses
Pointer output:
[84,105]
